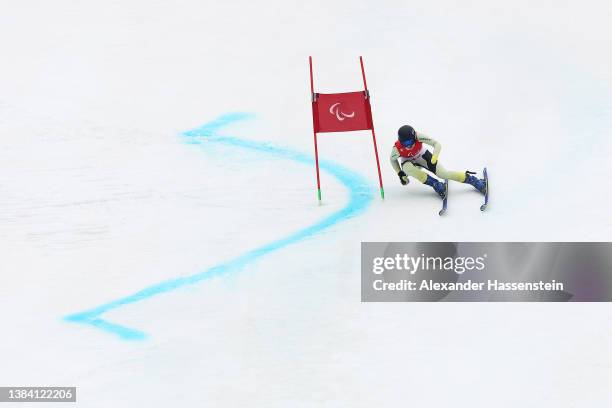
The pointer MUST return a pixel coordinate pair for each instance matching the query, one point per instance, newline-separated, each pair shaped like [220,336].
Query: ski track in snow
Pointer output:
[360,197]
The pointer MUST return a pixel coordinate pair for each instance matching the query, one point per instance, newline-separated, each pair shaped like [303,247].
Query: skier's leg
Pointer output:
[448,174]
[412,170]
[466,177]
[437,169]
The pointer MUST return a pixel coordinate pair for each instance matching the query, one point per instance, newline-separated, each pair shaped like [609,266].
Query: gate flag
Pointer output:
[342,112]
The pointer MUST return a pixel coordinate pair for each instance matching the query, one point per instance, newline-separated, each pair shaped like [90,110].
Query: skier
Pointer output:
[409,150]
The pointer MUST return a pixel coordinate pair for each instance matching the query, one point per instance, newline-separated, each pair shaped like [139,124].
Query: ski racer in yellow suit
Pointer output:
[409,155]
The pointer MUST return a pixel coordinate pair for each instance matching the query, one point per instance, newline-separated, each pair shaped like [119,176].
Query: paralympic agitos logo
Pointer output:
[336,110]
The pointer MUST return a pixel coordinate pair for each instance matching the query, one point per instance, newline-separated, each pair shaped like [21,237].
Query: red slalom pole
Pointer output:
[365,84]
[314,130]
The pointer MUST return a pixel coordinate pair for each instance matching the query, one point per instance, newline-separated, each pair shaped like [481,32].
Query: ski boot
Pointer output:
[478,184]
[437,186]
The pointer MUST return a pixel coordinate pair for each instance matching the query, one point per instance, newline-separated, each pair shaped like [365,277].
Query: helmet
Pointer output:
[406,135]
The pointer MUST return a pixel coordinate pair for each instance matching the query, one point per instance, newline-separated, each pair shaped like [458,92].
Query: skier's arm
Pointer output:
[394,159]
[394,162]
[432,142]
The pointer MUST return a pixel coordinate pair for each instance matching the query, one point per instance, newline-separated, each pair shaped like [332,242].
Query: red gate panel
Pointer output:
[342,112]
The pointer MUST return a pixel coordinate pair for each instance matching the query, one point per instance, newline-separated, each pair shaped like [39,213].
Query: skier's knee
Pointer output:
[411,170]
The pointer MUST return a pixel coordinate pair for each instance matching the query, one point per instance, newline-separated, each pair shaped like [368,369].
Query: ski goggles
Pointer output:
[408,143]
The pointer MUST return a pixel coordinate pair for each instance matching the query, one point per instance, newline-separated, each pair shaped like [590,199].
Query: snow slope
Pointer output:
[112,183]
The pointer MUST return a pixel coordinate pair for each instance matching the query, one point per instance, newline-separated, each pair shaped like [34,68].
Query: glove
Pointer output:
[434,159]
[403,178]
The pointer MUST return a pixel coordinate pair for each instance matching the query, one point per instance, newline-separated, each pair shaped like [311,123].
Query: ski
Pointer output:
[445,199]
[486,194]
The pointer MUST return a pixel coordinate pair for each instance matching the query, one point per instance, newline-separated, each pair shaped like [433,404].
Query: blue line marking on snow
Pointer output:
[360,197]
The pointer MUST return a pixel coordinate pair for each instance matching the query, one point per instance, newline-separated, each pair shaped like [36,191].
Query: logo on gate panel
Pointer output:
[336,110]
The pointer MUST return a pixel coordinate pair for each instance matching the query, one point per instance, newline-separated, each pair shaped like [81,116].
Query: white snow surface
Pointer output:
[102,196]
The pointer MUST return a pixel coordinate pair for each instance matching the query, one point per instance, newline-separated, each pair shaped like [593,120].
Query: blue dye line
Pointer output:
[360,196]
